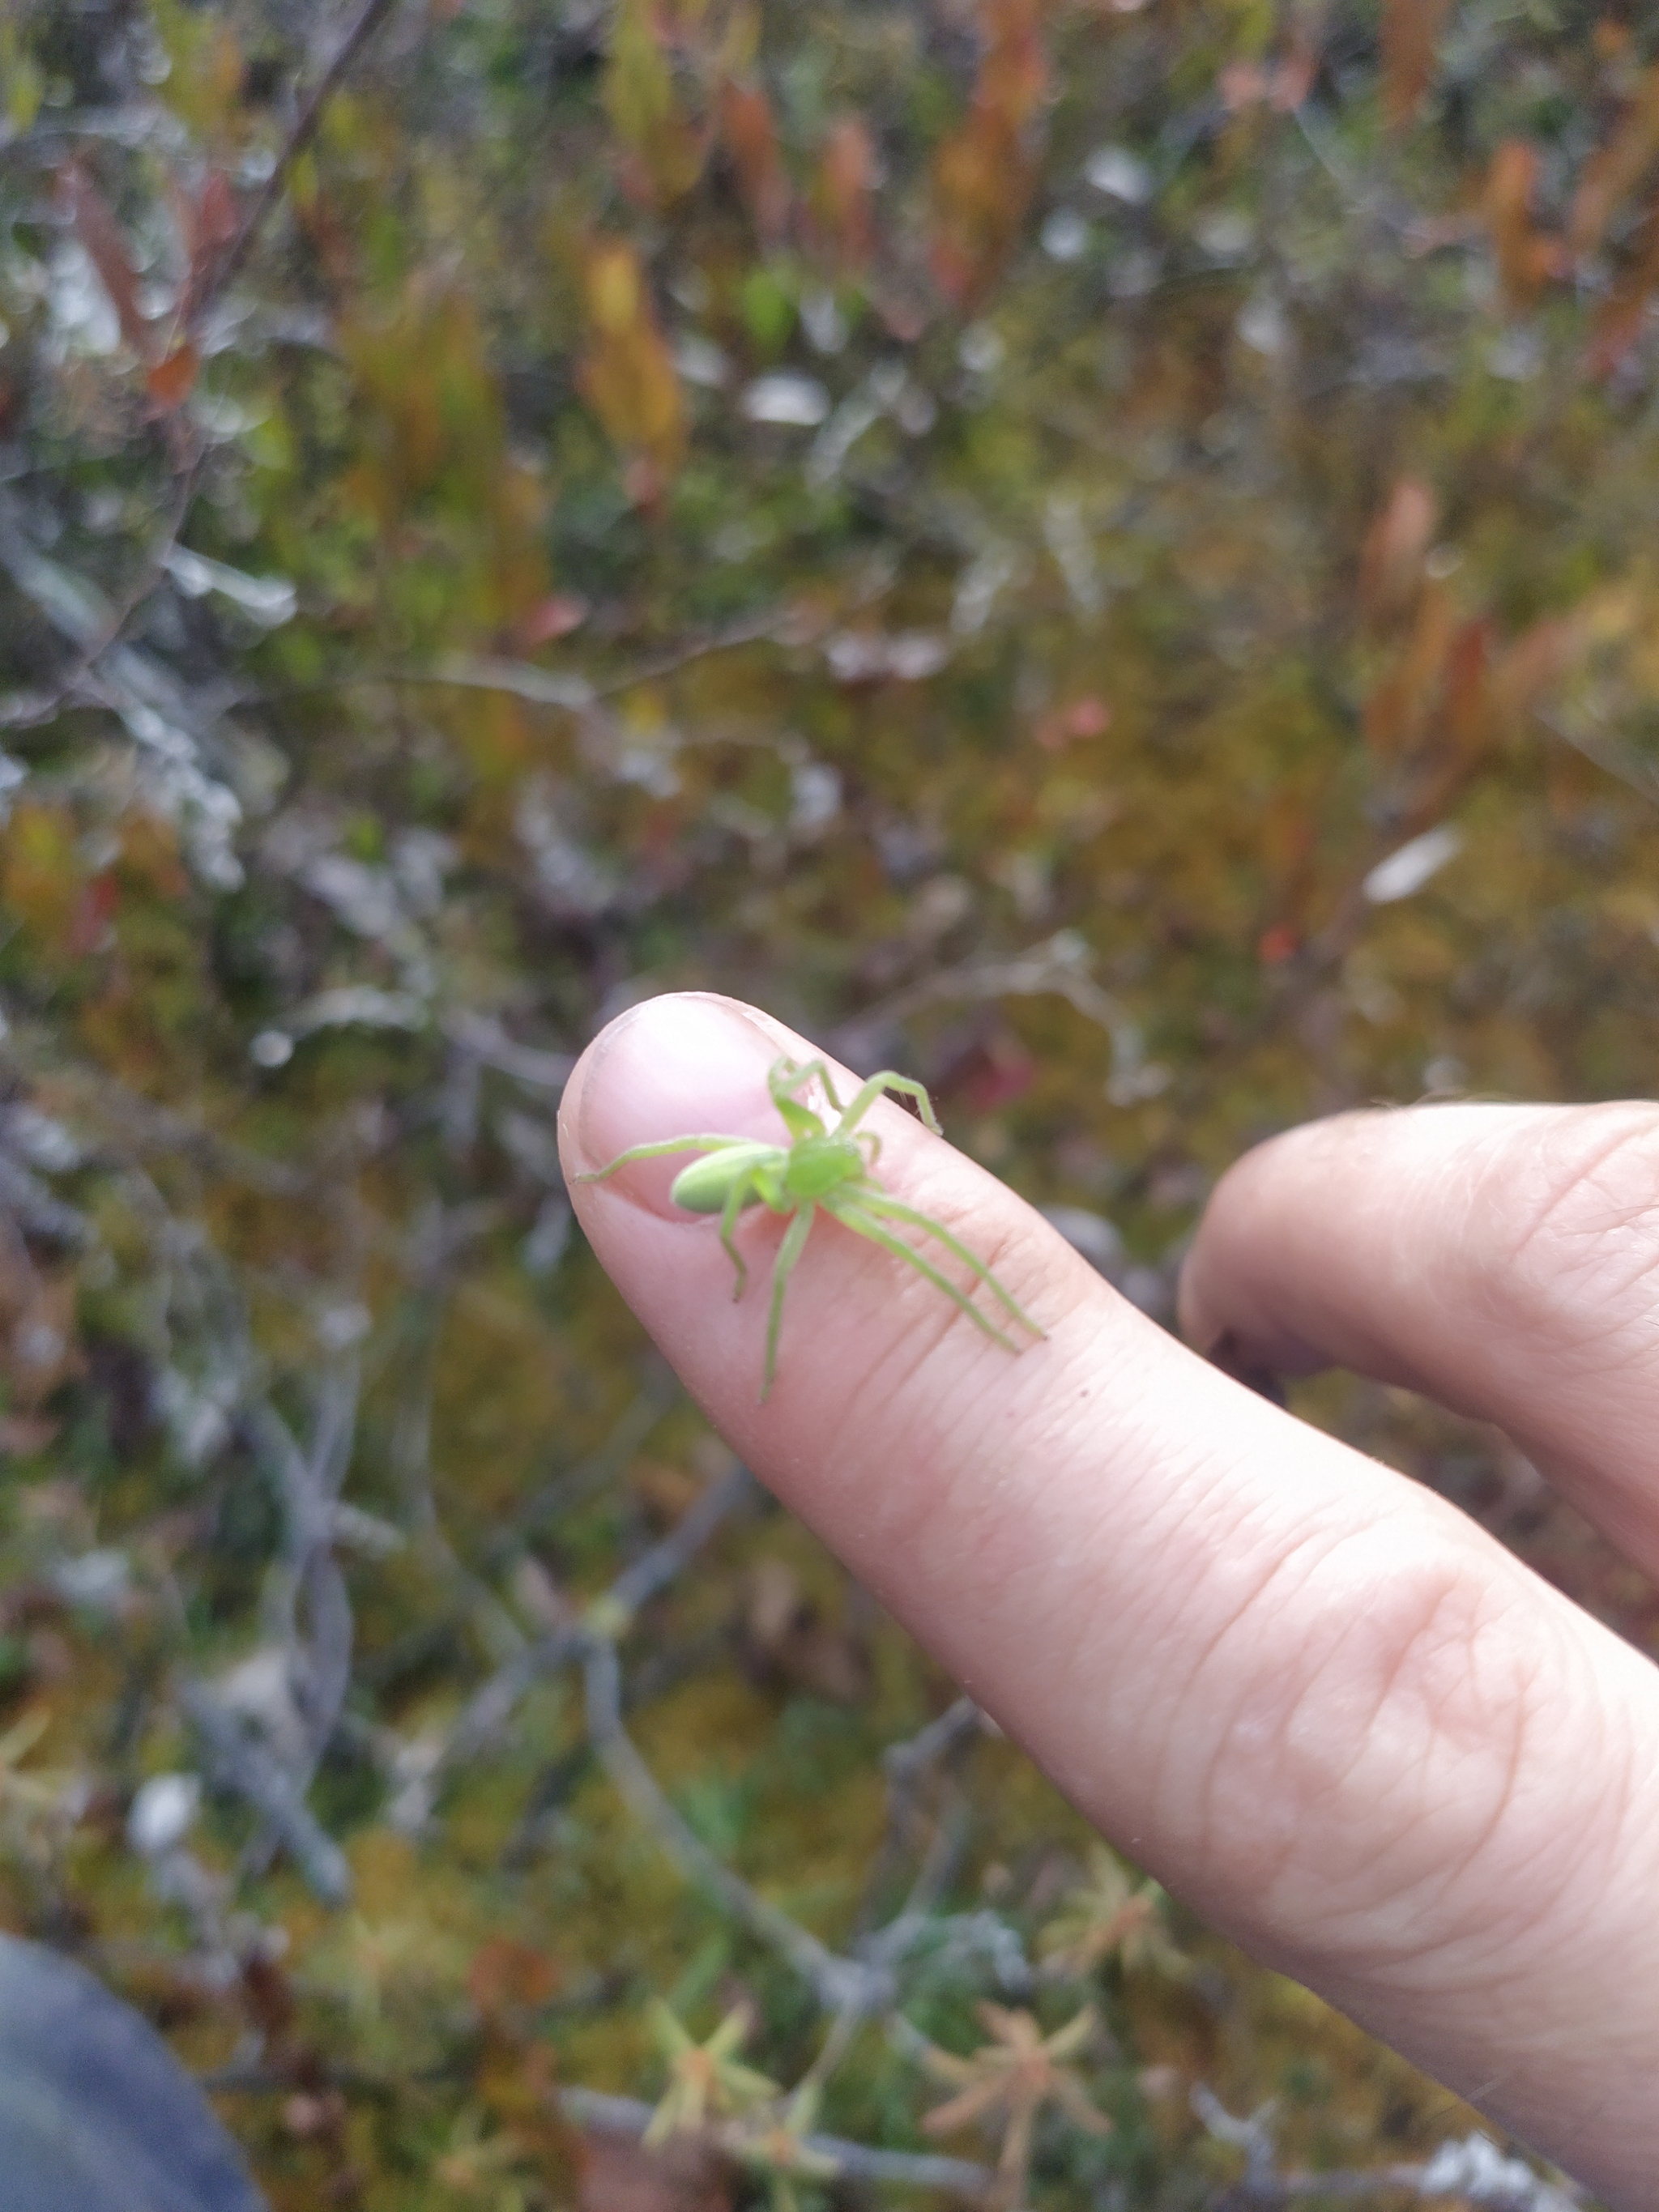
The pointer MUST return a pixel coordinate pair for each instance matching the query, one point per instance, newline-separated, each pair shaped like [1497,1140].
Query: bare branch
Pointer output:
[837,1982]
[853,2161]
[1473,2168]
[488,1709]
[240,1764]
[367,20]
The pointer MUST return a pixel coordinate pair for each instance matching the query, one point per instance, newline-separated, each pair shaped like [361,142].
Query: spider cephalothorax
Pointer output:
[820,1168]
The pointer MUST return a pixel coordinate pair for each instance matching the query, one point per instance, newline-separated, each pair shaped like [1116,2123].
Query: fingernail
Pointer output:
[684,1064]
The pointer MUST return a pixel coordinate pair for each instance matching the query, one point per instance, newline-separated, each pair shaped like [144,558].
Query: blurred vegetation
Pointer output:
[1099,553]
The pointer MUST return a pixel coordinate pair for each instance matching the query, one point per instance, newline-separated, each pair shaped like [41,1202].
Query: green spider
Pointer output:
[822,1169]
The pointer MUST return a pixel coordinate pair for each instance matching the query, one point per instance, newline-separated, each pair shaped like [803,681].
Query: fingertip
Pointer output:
[685,1061]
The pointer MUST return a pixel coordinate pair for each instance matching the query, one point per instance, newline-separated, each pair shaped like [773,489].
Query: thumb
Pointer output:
[1307,1694]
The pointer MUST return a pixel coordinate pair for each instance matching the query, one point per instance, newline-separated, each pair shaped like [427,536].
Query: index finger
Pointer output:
[1310,1697]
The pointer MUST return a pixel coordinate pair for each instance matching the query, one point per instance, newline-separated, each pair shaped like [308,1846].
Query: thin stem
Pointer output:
[854,2161]
[488,1709]
[836,1981]
[369,20]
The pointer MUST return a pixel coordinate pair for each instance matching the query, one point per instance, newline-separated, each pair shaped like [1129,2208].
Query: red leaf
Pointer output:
[984,173]
[101,235]
[843,217]
[506,1977]
[215,215]
[1623,315]
[1276,945]
[1615,170]
[620,2176]
[555,617]
[1396,546]
[751,139]
[1411,36]
[170,382]
[94,910]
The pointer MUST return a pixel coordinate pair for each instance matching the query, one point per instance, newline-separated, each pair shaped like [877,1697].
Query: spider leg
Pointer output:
[877,1202]
[658,1151]
[886,1080]
[864,1223]
[783,1079]
[790,1075]
[869,1137]
[794,1242]
[735,1200]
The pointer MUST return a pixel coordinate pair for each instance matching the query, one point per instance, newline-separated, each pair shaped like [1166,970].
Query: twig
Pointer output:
[837,1982]
[488,1709]
[565,1490]
[1473,2168]
[1056,966]
[655,1569]
[569,691]
[479,1034]
[366,22]
[27,713]
[853,2161]
[751,630]
[241,1765]
[907,1766]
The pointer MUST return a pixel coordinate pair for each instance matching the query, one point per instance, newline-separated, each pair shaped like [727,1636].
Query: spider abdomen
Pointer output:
[705,1186]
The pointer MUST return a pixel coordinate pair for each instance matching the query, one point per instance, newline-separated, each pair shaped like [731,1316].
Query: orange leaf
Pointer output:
[983,173]
[843,213]
[750,137]
[170,382]
[1396,715]
[1612,172]
[1534,661]
[1014,73]
[505,1977]
[99,235]
[1391,563]
[1526,256]
[1466,709]
[1624,311]
[1410,33]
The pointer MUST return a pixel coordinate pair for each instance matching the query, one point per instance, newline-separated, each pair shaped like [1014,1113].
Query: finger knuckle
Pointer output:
[1379,1770]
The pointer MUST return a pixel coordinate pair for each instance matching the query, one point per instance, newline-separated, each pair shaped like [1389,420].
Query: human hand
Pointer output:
[1314,1699]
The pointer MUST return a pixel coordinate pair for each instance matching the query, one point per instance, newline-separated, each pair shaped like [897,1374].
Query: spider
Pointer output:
[820,1168]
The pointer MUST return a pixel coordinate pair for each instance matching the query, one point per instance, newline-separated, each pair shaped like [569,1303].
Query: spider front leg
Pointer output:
[793,1244]
[784,1078]
[886,1079]
[660,1152]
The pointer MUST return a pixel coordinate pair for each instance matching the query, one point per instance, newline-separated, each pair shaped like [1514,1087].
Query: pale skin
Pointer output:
[1310,1697]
